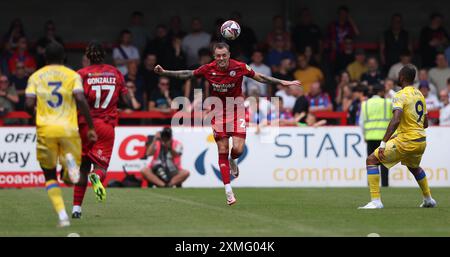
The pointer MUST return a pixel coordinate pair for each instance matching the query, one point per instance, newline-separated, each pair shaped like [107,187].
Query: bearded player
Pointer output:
[103,85]
[225,78]
[407,145]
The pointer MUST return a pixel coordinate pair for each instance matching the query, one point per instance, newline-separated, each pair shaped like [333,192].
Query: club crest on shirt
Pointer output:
[232,73]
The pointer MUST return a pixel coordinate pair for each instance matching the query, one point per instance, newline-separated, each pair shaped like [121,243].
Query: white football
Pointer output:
[230,30]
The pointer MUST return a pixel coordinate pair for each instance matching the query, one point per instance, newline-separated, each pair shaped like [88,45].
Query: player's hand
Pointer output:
[381,153]
[158,136]
[92,136]
[158,69]
[296,83]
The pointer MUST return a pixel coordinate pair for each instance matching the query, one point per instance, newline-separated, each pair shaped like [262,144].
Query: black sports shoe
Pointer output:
[76,215]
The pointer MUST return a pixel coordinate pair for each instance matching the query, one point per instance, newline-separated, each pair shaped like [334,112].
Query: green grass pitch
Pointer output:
[203,212]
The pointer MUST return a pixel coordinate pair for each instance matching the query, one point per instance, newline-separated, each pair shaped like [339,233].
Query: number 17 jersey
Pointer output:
[412,103]
[103,84]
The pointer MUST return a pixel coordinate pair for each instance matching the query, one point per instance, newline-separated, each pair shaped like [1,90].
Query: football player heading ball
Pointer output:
[225,79]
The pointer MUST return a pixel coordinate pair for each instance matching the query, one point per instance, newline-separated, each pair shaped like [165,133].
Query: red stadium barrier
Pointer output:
[341,116]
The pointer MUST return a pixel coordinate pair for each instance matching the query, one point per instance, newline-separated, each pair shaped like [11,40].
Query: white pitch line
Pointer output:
[288,224]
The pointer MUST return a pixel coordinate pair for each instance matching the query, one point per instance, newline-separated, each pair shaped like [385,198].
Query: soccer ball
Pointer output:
[230,30]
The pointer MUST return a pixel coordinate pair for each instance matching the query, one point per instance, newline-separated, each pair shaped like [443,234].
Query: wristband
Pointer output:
[383,144]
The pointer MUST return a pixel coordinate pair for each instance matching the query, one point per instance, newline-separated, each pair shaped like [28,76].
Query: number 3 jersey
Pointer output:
[56,109]
[103,84]
[412,103]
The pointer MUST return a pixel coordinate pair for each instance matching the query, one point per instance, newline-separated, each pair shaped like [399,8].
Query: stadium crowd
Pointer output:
[336,75]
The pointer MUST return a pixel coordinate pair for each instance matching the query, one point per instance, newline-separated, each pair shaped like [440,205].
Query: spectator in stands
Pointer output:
[8,97]
[358,67]
[245,44]
[433,39]
[440,73]
[149,77]
[360,93]
[423,76]
[444,114]
[199,83]
[389,88]
[259,109]
[278,31]
[318,100]
[373,75]
[343,97]
[278,53]
[134,76]
[284,70]
[160,45]
[311,121]
[175,28]
[165,168]
[194,41]
[394,42]
[281,115]
[21,54]
[125,52]
[447,54]
[448,86]
[405,58]
[286,93]
[138,30]
[135,96]
[339,29]
[161,100]
[307,33]
[15,32]
[301,106]
[258,66]
[346,56]
[431,100]
[19,81]
[49,36]
[308,75]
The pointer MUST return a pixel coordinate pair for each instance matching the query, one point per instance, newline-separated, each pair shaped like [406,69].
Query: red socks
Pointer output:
[78,194]
[79,191]
[224,165]
[100,174]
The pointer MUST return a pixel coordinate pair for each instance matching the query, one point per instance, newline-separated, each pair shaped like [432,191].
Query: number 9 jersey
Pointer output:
[56,109]
[412,103]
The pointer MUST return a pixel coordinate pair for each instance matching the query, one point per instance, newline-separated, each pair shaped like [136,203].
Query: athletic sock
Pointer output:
[421,179]
[76,208]
[100,174]
[228,188]
[78,194]
[373,176]
[62,215]
[55,195]
[224,165]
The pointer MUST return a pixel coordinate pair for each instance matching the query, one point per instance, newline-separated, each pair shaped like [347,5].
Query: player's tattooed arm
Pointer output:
[274,81]
[179,74]
[393,125]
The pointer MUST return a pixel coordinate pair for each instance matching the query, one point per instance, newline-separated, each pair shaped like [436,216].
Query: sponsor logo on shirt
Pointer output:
[222,87]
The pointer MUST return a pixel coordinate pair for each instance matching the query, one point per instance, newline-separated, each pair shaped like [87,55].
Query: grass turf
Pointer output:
[203,212]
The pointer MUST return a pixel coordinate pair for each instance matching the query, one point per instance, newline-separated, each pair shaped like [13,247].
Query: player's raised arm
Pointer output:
[274,81]
[179,74]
